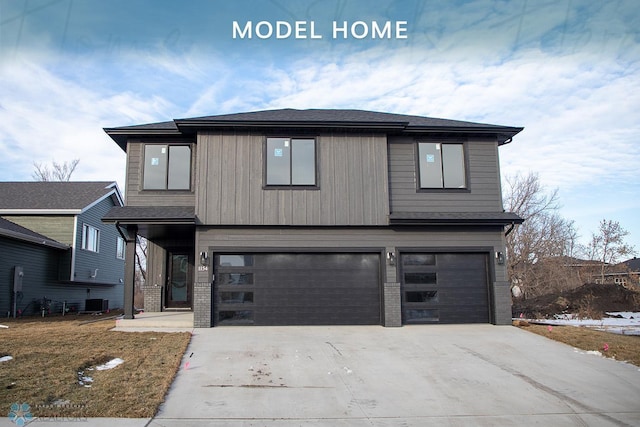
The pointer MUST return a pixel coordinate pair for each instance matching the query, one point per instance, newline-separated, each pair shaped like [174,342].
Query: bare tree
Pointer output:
[140,271]
[607,246]
[57,171]
[536,248]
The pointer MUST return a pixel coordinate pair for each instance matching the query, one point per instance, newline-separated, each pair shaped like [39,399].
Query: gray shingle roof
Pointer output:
[288,117]
[49,196]
[15,231]
[320,116]
[632,264]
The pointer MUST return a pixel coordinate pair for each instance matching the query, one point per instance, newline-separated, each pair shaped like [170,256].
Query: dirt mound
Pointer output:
[588,301]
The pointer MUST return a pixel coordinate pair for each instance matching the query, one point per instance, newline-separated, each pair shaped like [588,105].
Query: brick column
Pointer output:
[392,305]
[152,298]
[202,305]
[502,303]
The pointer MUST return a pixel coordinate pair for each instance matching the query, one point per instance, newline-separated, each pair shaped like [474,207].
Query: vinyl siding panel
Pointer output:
[56,227]
[40,265]
[483,179]
[110,268]
[352,183]
[134,193]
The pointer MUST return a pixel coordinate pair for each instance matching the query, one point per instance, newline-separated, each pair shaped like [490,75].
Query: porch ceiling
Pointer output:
[155,222]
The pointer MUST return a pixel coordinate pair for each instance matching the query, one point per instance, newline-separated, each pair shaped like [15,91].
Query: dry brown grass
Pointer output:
[620,347]
[48,354]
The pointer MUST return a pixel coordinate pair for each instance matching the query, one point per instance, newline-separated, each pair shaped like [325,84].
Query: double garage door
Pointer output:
[345,288]
[297,289]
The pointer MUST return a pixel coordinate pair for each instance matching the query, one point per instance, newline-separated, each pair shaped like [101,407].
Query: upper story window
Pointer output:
[90,238]
[441,165]
[167,167]
[120,248]
[291,162]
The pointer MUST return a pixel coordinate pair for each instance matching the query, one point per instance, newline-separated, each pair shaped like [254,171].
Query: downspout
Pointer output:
[120,231]
[513,225]
[73,247]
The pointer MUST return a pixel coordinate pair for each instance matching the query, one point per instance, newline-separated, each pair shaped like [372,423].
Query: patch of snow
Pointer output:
[624,314]
[347,370]
[5,358]
[84,380]
[592,352]
[627,324]
[110,364]
[4,327]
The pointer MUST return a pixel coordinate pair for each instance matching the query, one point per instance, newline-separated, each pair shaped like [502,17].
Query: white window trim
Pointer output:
[86,228]
[118,243]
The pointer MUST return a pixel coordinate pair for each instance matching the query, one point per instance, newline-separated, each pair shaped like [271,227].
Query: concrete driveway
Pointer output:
[412,376]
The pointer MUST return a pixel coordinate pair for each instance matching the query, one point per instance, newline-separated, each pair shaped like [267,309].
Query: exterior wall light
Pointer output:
[391,257]
[204,258]
[500,258]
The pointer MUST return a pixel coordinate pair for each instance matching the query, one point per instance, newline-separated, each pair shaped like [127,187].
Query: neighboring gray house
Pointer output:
[290,217]
[54,244]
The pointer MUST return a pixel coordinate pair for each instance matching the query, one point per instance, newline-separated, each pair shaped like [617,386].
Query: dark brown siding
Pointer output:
[136,196]
[483,181]
[352,190]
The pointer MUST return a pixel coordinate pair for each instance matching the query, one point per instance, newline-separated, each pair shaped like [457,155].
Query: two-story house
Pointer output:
[55,251]
[296,217]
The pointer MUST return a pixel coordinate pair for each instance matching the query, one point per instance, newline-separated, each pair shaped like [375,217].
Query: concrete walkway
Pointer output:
[463,375]
[413,376]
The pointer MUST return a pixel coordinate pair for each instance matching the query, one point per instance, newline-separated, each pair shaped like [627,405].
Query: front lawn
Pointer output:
[620,347]
[53,367]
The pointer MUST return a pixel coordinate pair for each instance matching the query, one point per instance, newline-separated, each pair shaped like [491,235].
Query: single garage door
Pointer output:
[444,288]
[297,289]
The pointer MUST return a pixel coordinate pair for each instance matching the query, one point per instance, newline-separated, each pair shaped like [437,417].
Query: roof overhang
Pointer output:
[122,135]
[455,218]
[40,211]
[33,239]
[154,222]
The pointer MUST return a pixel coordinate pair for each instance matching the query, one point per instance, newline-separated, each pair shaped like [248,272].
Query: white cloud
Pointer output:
[47,117]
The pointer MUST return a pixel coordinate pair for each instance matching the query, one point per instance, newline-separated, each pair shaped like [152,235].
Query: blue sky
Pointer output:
[568,71]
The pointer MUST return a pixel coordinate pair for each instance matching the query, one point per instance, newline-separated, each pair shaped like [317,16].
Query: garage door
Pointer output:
[297,289]
[444,288]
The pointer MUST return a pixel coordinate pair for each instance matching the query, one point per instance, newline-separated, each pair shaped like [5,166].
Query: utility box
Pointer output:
[96,304]
[18,274]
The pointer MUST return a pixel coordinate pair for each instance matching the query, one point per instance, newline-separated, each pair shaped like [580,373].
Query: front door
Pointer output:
[179,279]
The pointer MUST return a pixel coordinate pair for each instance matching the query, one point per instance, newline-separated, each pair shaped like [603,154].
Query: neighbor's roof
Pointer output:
[632,264]
[313,118]
[14,231]
[54,197]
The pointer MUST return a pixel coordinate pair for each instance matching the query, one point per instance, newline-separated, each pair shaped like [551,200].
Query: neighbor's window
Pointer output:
[90,238]
[441,165]
[291,161]
[120,247]
[167,167]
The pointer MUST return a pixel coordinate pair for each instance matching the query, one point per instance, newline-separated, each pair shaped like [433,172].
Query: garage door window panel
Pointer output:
[236,297]
[424,315]
[420,278]
[235,279]
[234,317]
[421,296]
